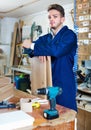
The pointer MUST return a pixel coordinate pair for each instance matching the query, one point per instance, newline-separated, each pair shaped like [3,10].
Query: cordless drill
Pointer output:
[51,93]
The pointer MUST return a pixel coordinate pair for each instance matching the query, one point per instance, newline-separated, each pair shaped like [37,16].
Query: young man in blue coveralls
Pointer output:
[61,45]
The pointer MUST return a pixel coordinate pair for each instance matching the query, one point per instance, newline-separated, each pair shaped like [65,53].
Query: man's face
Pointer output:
[55,19]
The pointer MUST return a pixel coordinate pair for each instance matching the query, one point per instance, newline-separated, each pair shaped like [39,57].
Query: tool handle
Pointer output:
[7,106]
[52,103]
[3,106]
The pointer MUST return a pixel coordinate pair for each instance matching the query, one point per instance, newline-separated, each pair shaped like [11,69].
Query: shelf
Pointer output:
[82,88]
[20,69]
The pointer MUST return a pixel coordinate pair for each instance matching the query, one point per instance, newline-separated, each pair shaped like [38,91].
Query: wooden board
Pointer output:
[48,71]
[83,119]
[41,74]
[13,44]
[4,81]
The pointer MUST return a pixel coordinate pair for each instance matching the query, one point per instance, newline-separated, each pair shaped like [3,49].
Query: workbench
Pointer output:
[66,120]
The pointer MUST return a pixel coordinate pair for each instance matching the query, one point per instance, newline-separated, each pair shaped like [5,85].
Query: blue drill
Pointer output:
[51,93]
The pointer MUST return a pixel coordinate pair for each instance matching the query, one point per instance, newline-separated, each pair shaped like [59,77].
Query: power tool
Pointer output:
[51,93]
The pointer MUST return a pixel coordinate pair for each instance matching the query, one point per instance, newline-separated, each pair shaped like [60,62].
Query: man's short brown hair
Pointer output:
[58,8]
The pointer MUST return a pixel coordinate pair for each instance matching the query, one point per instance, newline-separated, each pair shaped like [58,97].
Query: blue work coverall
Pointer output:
[62,49]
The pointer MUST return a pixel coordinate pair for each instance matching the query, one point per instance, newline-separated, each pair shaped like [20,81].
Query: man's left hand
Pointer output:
[26,43]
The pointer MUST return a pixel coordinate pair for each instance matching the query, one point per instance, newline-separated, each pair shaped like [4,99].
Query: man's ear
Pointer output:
[62,19]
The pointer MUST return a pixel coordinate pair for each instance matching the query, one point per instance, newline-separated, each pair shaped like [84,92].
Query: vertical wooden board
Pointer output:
[81,119]
[13,44]
[48,71]
[87,120]
[38,76]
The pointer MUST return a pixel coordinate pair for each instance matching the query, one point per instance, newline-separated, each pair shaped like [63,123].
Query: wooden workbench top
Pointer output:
[66,120]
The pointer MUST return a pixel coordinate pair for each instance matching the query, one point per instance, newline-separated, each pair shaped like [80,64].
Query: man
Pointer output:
[61,45]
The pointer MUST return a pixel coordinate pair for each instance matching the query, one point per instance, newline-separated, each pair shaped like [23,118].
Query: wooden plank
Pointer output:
[41,74]
[83,119]
[5,81]
[38,76]
[48,71]
[6,92]
[13,44]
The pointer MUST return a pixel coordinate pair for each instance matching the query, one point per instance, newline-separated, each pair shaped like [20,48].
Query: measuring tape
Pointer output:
[36,105]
